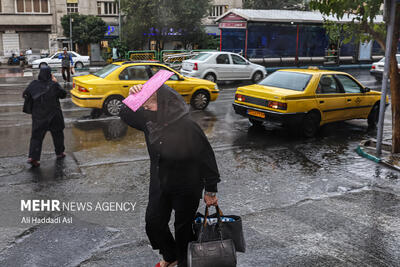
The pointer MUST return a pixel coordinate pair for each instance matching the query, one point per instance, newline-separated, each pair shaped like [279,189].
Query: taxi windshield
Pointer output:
[106,70]
[287,80]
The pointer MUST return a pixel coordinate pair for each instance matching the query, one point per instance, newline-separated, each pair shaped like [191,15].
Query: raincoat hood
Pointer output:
[45,74]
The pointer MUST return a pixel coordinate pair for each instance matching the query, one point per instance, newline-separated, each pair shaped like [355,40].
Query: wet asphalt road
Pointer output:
[304,202]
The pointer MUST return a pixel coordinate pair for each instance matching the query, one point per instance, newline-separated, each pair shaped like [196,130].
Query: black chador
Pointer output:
[182,165]
[46,114]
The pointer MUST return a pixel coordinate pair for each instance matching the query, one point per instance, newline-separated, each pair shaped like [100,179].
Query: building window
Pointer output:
[0,6]
[72,8]
[107,8]
[218,10]
[32,6]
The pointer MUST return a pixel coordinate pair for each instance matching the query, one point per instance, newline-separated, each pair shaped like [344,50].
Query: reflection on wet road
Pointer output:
[305,202]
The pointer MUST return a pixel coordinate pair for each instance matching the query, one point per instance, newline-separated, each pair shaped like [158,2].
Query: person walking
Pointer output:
[66,64]
[182,164]
[47,115]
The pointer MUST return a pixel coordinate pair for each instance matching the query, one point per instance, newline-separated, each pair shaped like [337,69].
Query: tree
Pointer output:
[275,4]
[86,29]
[163,20]
[363,27]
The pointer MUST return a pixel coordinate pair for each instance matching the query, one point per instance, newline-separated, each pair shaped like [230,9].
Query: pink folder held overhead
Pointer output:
[135,101]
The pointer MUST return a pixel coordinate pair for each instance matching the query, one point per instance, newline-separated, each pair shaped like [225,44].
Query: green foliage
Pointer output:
[275,4]
[146,20]
[121,47]
[86,29]
[362,26]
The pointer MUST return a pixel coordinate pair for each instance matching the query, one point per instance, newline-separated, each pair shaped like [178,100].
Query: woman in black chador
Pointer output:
[46,114]
[182,164]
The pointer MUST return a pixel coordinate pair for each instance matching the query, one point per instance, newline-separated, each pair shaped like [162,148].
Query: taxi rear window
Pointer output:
[202,56]
[287,80]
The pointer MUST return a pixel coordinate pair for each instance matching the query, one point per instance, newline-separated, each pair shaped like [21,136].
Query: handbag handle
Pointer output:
[219,215]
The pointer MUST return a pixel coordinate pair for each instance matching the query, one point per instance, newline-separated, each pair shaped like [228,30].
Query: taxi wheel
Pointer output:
[257,77]
[310,124]
[373,116]
[255,123]
[112,105]
[200,100]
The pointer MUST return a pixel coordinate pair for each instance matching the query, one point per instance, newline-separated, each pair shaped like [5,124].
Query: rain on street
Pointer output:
[304,202]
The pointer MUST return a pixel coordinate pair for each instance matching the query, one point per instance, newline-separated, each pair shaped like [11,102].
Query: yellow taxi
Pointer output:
[306,99]
[106,88]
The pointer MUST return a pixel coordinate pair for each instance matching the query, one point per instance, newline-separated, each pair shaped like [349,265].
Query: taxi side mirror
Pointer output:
[367,89]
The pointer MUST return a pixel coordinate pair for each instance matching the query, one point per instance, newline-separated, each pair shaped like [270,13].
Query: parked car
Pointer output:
[378,67]
[222,66]
[107,88]
[304,99]
[54,61]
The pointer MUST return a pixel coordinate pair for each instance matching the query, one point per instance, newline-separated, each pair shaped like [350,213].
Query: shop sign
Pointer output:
[232,25]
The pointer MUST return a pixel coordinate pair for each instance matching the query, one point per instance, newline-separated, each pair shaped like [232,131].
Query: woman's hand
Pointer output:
[54,79]
[135,89]
[211,200]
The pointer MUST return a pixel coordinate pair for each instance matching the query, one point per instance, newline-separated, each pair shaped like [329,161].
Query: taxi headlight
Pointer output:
[216,86]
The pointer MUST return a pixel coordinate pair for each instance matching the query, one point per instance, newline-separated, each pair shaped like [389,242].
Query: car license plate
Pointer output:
[256,113]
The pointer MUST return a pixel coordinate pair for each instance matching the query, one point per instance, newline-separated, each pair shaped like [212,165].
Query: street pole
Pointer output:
[70,32]
[119,19]
[388,50]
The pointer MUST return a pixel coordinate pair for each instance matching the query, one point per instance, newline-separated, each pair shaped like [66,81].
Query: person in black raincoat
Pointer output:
[46,114]
[182,165]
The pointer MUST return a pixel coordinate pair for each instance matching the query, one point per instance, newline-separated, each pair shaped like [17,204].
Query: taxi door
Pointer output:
[357,103]
[330,99]
[176,82]
[131,76]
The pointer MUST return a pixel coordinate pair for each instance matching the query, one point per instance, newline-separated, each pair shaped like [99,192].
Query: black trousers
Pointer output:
[68,70]
[38,134]
[158,214]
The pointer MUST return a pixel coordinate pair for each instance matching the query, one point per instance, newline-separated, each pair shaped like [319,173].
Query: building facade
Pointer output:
[36,24]
[218,8]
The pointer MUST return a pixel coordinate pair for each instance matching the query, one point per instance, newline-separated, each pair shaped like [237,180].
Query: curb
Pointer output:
[364,154]
[384,160]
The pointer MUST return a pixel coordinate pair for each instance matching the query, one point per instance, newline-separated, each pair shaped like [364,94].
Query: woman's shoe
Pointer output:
[61,156]
[34,163]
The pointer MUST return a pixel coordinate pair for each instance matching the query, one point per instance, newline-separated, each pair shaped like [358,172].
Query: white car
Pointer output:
[222,66]
[378,67]
[54,61]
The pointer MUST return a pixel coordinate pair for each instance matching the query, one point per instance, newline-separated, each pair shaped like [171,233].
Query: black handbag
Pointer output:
[207,253]
[230,229]
[28,104]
